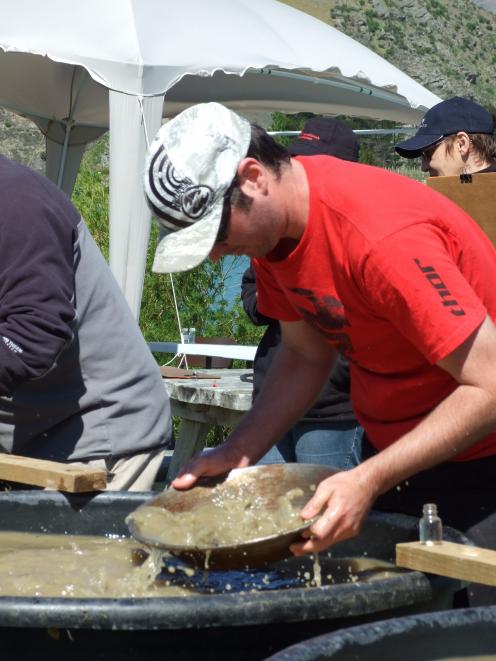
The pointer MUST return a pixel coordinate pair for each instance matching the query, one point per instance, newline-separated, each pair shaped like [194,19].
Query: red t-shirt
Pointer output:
[397,277]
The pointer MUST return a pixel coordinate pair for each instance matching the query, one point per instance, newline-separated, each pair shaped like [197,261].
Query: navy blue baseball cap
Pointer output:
[446,118]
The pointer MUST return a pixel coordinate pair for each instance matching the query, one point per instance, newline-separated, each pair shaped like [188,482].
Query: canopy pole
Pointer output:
[69,121]
[131,120]
[63,157]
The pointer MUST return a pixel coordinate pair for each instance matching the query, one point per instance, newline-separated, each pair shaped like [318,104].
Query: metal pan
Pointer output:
[268,482]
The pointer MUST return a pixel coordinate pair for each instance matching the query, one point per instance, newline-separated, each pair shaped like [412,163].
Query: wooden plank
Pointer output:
[51,474]
[468,563]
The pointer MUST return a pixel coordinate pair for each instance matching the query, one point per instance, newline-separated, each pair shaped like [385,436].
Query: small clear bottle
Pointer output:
[430,525]
[188,335]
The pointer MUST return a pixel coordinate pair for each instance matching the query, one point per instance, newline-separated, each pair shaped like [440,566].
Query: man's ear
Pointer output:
[252,177]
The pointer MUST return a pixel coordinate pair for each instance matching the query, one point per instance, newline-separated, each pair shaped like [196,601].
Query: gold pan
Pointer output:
[263,485]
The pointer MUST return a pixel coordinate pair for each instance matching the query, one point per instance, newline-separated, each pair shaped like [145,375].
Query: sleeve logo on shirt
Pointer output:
[15,348]
[446,296]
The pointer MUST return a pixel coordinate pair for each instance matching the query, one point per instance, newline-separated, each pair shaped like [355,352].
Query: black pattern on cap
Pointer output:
[177,201]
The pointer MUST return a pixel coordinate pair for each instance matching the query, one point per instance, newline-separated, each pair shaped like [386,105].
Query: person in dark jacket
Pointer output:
[78,383]
[329,432]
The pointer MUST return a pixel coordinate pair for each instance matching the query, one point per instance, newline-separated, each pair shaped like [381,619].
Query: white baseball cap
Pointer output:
[190,165]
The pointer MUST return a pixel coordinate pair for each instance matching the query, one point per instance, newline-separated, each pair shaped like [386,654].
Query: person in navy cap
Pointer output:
[455,137]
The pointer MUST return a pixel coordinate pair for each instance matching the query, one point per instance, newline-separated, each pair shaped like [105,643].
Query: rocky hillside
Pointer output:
[21,140]
[447,45]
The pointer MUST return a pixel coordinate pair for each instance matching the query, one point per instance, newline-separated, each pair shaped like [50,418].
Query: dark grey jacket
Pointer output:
[77,380]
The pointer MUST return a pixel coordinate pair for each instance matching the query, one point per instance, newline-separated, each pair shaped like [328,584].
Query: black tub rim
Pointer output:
[356,639]
[404,590]
[291,605]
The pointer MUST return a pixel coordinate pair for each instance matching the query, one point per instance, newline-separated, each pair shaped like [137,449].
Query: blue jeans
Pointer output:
[339,446]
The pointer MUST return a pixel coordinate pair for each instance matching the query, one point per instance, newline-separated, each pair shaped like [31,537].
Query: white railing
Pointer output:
[233,351]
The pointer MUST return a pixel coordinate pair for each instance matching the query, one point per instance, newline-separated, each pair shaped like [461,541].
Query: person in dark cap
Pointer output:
[455,137]
[326,135]
[328,433]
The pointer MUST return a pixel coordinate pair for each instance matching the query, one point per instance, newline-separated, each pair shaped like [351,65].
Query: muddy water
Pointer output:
[33,565]
[227,519]
[76,566]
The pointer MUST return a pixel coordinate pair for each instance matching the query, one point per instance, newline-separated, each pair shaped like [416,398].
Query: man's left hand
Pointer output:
[347,501]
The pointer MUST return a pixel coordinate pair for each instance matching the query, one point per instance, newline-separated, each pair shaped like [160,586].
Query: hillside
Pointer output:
[439,43]
[447,45]
[21,140]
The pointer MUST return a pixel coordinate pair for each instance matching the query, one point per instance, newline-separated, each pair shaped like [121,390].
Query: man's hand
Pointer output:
[215,462]
[295,379]
[347,501]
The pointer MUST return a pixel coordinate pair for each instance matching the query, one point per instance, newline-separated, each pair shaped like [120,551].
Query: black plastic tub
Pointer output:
[467,632]
[207,626]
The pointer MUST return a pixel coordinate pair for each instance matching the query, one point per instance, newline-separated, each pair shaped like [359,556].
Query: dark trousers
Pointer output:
[465,495]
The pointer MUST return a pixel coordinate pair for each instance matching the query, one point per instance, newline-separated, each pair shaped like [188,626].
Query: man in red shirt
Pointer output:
[349,256]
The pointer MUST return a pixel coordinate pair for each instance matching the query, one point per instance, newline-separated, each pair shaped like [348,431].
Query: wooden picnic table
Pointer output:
[203,403]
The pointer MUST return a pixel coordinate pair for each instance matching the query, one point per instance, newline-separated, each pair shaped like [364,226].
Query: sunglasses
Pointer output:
[428,153]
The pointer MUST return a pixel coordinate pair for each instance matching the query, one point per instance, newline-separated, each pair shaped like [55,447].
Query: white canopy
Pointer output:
[77,68]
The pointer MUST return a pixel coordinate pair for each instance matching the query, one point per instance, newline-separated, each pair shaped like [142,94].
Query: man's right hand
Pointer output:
[215,462]
[296,377]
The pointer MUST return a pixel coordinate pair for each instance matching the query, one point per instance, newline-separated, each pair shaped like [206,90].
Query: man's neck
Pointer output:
[292,192]
[284,248]
[296,193]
